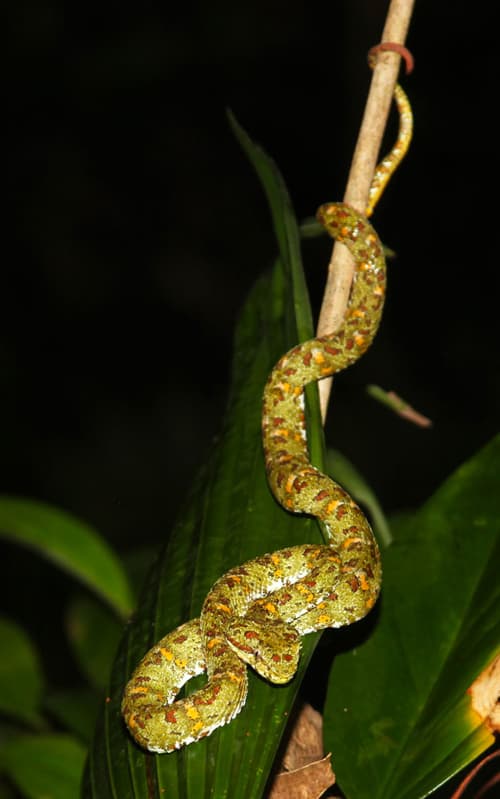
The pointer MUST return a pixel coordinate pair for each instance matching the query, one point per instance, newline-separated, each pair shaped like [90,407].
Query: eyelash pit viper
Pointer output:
[256,613]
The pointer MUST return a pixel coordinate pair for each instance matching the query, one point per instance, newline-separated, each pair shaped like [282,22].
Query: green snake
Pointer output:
[256,613]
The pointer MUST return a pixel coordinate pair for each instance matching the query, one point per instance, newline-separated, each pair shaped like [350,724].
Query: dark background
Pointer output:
[135,228]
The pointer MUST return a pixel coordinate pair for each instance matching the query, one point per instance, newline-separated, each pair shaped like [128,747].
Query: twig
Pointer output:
[398,405]
[470,776]
[341,267]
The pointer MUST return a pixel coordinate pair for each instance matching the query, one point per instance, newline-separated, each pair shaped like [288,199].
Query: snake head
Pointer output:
[271,647]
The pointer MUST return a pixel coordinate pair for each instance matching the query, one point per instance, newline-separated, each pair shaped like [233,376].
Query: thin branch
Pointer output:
[341,267]
[399,406]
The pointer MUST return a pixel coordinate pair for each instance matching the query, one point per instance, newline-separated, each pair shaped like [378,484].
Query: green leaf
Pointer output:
[230,516]
[344,472]
[6,791]
[137,563]
[21,681]
[75,710]
[94,634]
[44,766]
[70,544]
[397,717]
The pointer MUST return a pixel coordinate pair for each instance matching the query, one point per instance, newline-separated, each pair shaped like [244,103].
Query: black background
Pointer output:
[135,228]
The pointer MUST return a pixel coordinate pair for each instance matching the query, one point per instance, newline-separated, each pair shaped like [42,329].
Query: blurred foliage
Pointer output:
[123,229]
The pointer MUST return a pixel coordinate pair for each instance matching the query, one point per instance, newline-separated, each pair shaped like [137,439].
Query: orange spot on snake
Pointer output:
[365,585]
[166,653]
[213,642]
[224,608]
[350,541]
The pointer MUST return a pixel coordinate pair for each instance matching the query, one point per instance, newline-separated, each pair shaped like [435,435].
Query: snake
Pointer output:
[257,612]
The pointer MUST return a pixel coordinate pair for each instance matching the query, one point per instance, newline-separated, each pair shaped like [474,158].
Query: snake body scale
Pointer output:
[256,613]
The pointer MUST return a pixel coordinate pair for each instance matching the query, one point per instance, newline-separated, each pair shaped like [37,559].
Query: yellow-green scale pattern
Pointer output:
[391,161]
[256,613]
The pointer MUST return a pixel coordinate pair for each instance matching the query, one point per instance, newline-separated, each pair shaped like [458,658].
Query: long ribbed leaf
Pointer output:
[397,718]
[70,544]
[21,676]
[48,766]
[230,516]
